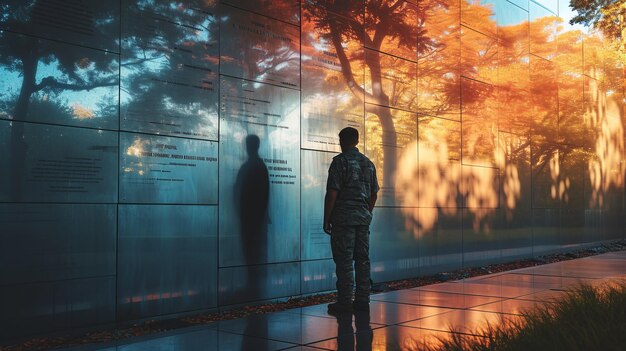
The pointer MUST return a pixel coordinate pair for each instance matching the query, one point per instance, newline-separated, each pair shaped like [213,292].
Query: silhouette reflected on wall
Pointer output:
[251,202]
[346,335]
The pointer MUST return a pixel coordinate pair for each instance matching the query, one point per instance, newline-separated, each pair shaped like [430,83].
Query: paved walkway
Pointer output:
[397,319]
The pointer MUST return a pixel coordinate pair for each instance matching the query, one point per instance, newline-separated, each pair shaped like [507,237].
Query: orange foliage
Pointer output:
[535,98]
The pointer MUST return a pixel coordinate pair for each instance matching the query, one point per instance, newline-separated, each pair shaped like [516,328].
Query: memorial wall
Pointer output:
[163,157]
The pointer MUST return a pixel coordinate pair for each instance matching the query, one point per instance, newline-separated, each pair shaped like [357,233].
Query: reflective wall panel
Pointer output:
[261,282]
[51,82]
[593,195]
[480,187]
[284,10]
[479,128]
[193,139]
[37,308]
[51,242]
[390,81]
[553,5]
[569,59]
[614,224]
[547,189]
[544,98]
[394,245]
[439,66]
[480,15]
[593,64]
[87,23]
[579,226]
[515,172]
[479,56]
[169,75]
[328,100]
[57,164]
[157,169]
[572,127]
[516,226]
[259,173]
[440,240]
[521,3]
[513,22]
[543,29]
[259,48]
[390,143]
[546,228]
[318,275]
[573,177]
[569,49]
[315,242]
[591,96]
[513,68]
[439,167]
[167,260]
[376,17]
[483,235]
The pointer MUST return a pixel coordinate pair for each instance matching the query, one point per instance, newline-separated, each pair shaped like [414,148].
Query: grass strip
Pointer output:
[586,318]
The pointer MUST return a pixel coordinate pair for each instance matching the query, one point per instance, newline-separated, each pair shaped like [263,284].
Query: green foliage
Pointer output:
[606,15]
[586,319]
[49,107]
[589,11]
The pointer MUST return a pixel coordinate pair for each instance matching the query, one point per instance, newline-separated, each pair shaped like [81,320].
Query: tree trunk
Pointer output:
[18,145]
[386,121]
[378,95]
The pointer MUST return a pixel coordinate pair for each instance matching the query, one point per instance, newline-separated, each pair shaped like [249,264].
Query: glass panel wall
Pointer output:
[187,143]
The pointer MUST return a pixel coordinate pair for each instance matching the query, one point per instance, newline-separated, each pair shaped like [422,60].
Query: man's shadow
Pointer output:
[252,190]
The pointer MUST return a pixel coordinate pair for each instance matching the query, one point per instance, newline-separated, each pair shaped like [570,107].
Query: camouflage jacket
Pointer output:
[354,176]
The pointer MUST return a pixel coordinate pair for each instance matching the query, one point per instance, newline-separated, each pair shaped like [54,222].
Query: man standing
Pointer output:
[350,197]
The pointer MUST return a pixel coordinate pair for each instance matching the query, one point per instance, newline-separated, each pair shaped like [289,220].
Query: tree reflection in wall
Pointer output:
[546,109]
[539,99]
[39,75]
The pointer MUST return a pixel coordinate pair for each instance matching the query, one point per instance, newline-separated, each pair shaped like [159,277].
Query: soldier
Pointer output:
[350,197]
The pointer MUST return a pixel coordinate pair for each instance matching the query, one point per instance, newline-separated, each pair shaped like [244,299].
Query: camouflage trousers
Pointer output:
[350,246]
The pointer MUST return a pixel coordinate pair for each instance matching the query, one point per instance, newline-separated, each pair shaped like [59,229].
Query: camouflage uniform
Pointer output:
[354,176]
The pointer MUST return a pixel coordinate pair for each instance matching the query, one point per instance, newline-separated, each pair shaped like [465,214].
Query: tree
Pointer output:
[169,67]
[73,70]
[159,37]
[379,26]
[606,15]
[27,54]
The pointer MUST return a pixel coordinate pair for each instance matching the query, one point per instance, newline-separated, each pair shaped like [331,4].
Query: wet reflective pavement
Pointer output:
[398,320]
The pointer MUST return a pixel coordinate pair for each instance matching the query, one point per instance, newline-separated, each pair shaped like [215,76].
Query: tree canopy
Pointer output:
[606,15]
